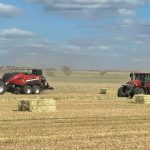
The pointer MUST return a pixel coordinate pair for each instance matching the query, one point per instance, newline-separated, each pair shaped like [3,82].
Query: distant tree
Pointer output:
[102,73]
[66,70]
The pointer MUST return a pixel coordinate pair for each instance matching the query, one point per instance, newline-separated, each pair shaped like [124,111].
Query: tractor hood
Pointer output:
[135,82]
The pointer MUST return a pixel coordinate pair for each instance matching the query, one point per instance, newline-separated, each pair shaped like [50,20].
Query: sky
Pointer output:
[82,34]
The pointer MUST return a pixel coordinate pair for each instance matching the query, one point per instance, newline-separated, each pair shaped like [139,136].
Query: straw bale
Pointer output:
[103,91]
[142,99]
[23,105]
[37,105]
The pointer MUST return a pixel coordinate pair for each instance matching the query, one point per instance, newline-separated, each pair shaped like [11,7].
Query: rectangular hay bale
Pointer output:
[142,99]
[37,105]
[103,91]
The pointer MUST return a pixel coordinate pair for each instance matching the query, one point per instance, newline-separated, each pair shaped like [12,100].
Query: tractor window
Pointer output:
[141,77]
[133,76]
[137,77]
[147,77]
[37,72]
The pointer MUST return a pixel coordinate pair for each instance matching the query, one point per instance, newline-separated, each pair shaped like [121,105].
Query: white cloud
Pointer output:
[132,2]
[138,42]
[127,22]
[126,12]
[41,45]
[9,10]
[91,8]
[104,47]
[16,33]
[84,3]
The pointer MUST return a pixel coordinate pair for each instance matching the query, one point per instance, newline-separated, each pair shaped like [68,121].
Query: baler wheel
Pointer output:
[27,89]
[36,89]
[2,87]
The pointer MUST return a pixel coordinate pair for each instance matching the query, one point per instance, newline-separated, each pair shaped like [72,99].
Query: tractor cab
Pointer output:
[28,71]
[142,78]
[37,72]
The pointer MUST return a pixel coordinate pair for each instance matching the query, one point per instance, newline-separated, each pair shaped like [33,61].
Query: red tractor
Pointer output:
[139,84]
[29,82]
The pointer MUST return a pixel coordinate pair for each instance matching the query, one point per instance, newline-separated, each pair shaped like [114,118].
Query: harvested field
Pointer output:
[84,119]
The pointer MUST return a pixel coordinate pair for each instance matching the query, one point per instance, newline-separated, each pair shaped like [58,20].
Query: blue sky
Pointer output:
[89,34]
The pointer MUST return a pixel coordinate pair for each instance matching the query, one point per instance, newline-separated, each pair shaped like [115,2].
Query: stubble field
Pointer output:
[84,119]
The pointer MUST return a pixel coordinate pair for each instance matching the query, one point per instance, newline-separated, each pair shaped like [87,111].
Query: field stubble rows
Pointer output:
[84,119]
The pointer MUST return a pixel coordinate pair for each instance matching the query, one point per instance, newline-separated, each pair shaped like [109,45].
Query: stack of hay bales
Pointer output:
[37,105]
[103,91]
[142,99]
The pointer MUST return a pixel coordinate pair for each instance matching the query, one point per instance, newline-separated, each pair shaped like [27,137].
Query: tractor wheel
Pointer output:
[27,89]
[2,87]
[138,90]
[120,92]
[36,89]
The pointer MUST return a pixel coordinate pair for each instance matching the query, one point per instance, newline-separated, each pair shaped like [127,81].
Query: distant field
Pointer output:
[84,118]
[92,77]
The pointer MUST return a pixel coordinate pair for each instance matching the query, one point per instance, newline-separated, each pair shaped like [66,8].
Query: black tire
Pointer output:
[3,88]
[27,89]
[120,92]
[36,89]
[17,90]
[138,90]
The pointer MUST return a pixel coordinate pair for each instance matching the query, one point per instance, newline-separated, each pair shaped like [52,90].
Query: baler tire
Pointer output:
[120,92]
[36,89]
[3,88]
[138,90]
[27,89]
